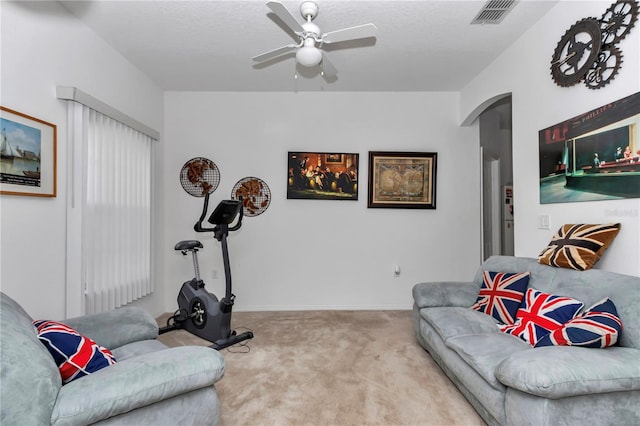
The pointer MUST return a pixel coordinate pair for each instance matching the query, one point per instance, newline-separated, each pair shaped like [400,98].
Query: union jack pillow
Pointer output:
[75,355]
[501,295]
[598,327]
[578,246]
[540,314]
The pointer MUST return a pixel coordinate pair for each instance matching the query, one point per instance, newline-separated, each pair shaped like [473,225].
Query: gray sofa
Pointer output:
[150,384]
[508,381]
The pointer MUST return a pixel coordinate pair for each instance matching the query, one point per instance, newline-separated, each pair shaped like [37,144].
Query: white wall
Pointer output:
[311,254]
[301,254]
[43,46]
[538,102]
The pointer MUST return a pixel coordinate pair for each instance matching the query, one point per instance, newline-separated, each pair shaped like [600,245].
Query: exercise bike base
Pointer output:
[218,344]
[231,340]
[168,328]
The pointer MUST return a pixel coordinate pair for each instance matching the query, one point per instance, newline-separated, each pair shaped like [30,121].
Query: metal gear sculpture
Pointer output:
[618,20]
[604,69]
[576,51]
[587,51]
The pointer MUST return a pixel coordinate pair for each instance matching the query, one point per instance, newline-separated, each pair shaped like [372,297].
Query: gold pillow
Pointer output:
[578,246]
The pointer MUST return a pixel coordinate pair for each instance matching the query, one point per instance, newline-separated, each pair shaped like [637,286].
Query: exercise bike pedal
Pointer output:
[231,340]
[175,322]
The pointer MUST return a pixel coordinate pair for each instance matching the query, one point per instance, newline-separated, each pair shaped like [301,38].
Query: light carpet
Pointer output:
[332,368]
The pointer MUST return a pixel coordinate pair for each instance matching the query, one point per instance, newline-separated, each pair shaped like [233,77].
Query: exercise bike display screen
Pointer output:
[225,212]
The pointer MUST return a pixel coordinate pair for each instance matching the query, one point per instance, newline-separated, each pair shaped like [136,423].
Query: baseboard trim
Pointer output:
[268,308]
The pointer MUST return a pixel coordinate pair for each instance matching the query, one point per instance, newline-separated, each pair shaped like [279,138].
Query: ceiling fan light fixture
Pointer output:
[310,39]
[309,55]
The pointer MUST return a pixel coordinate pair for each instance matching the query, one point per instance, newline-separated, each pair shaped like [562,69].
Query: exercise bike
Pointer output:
[200,312]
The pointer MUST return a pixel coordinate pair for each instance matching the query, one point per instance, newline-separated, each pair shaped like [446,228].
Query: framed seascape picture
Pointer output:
[28,155]
[593,156]
[322,176]
[402,180]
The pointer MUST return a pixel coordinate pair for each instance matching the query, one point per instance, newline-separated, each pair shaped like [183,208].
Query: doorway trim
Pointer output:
[491,193]
[495,190]
[473,115]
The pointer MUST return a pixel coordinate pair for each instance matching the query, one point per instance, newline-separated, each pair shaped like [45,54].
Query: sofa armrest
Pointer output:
[137,382]
[445,293]
[117,327]
[561,371]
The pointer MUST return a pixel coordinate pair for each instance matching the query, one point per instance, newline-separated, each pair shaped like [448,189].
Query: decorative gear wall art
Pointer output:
[576,51]
[618,20]
[587,52]
[604,68]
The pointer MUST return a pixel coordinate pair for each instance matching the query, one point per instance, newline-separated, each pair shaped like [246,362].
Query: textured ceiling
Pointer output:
[208,45]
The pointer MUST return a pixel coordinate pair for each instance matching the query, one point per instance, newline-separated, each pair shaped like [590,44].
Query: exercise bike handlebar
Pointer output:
[198,226]
[221,213]
[240,216]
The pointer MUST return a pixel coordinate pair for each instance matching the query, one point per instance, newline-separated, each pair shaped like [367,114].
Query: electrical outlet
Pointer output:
[214,274]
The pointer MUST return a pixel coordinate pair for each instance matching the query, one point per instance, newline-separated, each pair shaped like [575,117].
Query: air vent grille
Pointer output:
[494,11]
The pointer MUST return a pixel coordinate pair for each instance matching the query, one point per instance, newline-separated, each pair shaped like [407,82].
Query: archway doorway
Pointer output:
[497,178]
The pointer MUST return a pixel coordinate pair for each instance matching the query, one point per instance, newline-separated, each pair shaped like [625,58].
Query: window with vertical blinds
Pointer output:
[112,189]
[117,213]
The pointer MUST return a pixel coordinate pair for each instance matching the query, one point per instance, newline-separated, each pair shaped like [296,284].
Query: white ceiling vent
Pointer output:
[494,11]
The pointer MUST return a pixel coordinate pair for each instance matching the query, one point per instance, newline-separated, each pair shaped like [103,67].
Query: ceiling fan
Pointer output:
[311,39]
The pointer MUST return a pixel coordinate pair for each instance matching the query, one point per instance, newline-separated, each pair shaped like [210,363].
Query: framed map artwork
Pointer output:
[404,180]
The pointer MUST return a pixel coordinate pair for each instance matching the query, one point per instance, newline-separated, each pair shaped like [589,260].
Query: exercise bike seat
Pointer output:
[188,245]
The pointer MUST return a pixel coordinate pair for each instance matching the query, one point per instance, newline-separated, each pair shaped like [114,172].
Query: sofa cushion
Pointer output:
[457,321]
[483,352]
[501,295]
[138,382]
[449,293]
[578,246]
[598,327]
[75,355]
[134,349]
[540,314]
[126,325]
[29,380]
[561,371]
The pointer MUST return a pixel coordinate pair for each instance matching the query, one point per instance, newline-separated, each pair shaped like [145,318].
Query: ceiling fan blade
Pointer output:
[328,70]
[361,31]
[275,52]
[286,16]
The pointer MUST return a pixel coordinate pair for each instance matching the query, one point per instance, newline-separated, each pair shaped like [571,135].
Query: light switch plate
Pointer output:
[543,221]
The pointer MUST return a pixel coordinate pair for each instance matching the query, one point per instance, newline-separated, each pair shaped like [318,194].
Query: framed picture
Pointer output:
[334,158]
[28,155]
[594,156]
[402,180]
[322,176]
